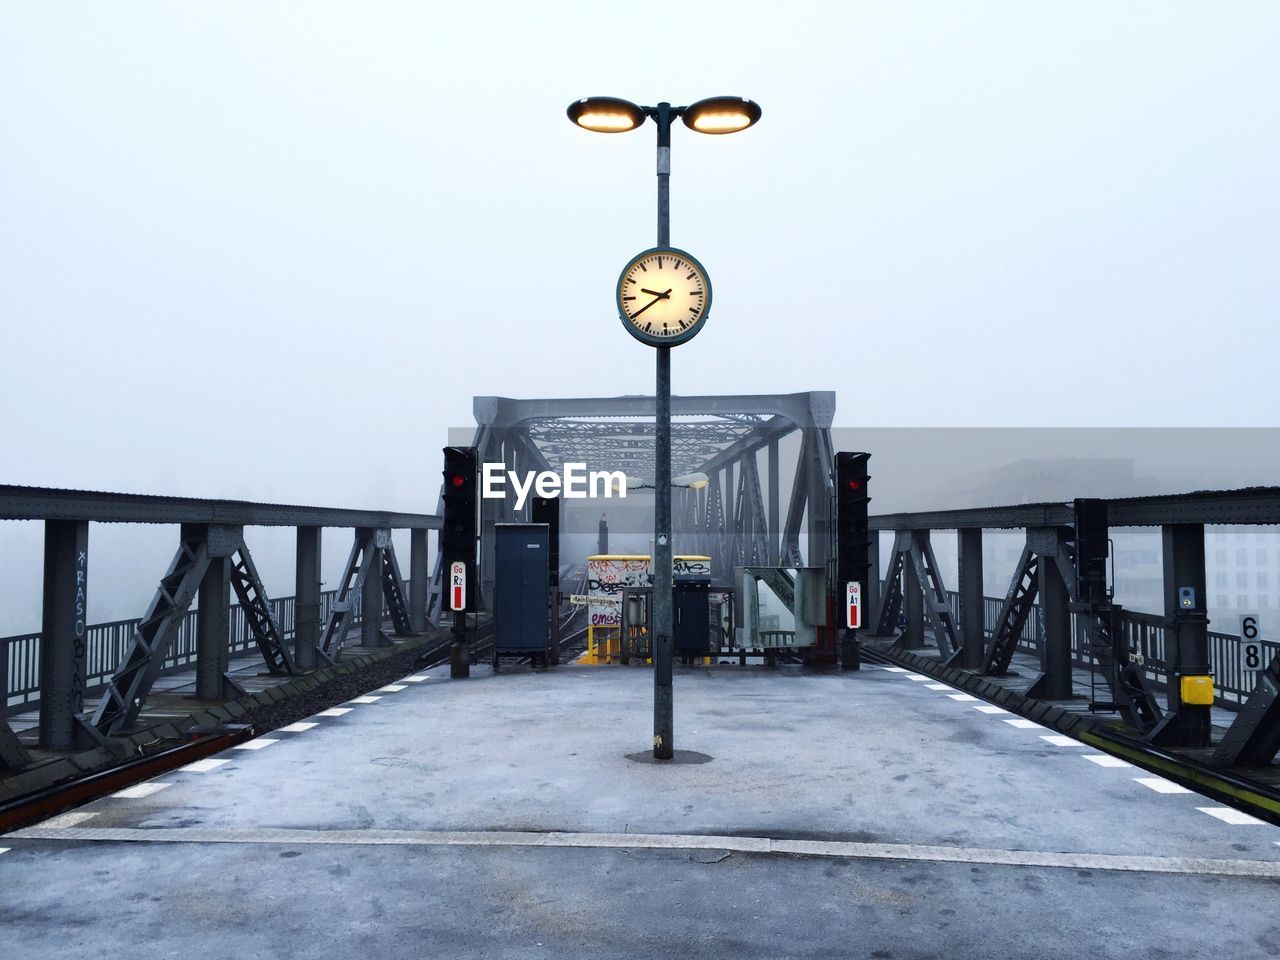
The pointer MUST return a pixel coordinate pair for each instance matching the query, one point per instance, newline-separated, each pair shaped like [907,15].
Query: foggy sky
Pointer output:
[272,250]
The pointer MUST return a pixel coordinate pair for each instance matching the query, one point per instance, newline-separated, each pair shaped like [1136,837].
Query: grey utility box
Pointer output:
[522,570]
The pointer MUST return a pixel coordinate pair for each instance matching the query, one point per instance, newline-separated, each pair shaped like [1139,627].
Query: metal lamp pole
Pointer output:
[663,719]
[714,115]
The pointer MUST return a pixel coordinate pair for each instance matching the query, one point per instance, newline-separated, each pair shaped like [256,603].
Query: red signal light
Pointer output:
[854,485]
[457,480]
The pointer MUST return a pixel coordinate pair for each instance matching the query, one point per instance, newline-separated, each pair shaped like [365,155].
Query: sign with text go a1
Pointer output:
[853,605]
[457,585]
[1251,652]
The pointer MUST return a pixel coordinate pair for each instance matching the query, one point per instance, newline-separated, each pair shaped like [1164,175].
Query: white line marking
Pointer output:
[937,686]
[1058,740]
[416,679]
[364,699]
[5,849]
[916,676]
[963,697]
[897,669]
[140,790]
[392,688]
[335,712]
[1022,723]
[205,765]
[990,708]
[72,818]
[1161,785]
[765,845]
[302,726]
[1106,760]
[258,744]
[1237,818]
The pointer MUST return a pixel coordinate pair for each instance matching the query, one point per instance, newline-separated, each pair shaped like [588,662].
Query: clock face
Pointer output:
[664,296]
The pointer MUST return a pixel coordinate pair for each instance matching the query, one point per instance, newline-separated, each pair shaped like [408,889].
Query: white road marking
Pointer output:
[1106,760]
[897,669]
[302,726]
[990,708]
[335,712]
[1237,818]
[205,765]
[365,699]
[392,688]
[937,686]
[140,790]
[1022,723]
[5,849]
[1161,785]
[1202,866]
[1058,740]
[416,679]
[72,818]
[963,697]
[258,744]
[916,676]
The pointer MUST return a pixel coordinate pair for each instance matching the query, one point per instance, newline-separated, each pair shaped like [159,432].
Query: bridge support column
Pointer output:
[1188,651]
[871,602]
[213,629]
[418,585]
[371,593]
[775,501]
[913,606]
[63,632]
[1055,644]
[306,611]
[972,614]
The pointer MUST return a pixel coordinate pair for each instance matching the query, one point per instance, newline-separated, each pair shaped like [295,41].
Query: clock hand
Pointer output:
[645,307]
[655,293]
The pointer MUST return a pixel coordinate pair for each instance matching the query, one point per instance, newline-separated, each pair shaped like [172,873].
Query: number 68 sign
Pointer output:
[1250,644]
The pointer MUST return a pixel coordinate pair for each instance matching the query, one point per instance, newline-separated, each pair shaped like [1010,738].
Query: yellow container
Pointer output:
[1197,691]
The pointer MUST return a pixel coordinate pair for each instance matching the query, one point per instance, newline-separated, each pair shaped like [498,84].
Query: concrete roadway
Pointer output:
[856,815]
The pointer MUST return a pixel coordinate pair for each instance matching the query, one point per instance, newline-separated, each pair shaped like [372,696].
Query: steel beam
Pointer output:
[775,499]
[913,605]
[41,503]
[307,597]
[812,409]
[63,635]
[213,630]
[371,592]
[129,686]
[1188,651]
[1055,646]
[418,580]
[1252,505]
[972,604]
[252,594]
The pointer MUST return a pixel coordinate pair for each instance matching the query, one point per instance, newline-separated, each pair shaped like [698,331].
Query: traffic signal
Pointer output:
[458,531]
[853,539]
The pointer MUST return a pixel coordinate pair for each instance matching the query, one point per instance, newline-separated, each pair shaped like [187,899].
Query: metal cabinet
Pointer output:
[520,590]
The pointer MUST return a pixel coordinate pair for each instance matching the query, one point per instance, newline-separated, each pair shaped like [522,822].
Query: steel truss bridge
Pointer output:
[737,518]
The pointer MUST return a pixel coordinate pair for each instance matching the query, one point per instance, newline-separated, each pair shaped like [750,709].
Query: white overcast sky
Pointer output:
[271,250]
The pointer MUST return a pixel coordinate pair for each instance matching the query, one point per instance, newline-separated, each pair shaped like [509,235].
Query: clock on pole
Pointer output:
[664,296]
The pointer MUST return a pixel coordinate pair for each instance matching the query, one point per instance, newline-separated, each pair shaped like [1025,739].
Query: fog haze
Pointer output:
[271,251]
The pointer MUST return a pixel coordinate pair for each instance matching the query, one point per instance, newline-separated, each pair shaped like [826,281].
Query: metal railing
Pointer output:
[106,644]
[1148,634]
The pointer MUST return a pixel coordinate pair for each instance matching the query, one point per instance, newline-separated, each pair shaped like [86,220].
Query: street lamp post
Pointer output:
[716,115]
